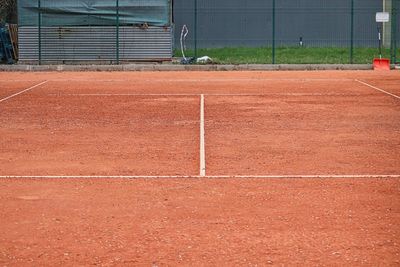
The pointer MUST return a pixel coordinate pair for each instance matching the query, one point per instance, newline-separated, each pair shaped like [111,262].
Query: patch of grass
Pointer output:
[288,55]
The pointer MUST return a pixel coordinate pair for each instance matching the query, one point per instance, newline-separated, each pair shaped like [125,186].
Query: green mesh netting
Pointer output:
[94,12]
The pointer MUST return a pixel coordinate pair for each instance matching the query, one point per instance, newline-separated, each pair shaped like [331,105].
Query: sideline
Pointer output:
[23,91]
[378,89]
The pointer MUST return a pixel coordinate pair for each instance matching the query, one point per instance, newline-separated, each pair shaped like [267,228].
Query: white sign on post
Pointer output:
[382,17]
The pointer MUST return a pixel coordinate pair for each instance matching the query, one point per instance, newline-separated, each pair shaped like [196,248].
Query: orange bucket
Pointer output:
[381,64]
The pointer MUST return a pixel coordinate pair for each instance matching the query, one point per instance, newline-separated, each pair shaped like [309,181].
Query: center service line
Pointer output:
[202,140]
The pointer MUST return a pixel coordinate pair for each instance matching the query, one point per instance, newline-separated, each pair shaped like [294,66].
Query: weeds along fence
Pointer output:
[343,29]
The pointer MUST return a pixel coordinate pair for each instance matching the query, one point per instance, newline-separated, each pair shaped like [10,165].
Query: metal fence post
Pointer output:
[396,13]
[195,28]
[117,31]
[273,31]
[393,44]
[39,32]
[352,33]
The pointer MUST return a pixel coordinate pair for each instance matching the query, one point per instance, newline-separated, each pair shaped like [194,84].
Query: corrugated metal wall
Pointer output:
[97,43]
[249,22]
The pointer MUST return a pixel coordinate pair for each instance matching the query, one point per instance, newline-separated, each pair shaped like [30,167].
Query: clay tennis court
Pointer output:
[200,168]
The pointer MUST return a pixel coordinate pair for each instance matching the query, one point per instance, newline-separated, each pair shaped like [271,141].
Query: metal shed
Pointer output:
[102,31]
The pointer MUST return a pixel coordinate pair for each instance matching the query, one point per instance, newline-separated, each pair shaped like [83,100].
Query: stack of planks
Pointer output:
[13,32]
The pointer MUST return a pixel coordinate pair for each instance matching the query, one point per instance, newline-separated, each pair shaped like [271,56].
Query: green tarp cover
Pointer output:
[93,12]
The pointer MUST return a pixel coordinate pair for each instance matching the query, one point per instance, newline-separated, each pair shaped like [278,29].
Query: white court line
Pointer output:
[322,176]
[17,80]
[211,94]
[103,94]
[202,139]
[376,88]
[255,79]
[23,91]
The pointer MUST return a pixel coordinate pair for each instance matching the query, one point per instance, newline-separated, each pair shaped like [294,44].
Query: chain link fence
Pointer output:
[395,29]
[323,31]
[286,31]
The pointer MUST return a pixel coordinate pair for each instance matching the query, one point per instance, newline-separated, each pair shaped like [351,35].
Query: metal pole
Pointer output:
[352,33]
[273,31]
[394,32]
[195,28]
[39,32]
[117,33]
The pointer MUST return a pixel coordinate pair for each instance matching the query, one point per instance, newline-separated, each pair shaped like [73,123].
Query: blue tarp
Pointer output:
[94,12]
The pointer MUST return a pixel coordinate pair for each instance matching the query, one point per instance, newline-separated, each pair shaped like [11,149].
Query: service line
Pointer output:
[23,91]
[376,88]
[202,139]
[124,94]
[208,94]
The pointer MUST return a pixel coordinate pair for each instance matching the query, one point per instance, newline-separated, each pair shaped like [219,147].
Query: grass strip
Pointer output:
[288,55]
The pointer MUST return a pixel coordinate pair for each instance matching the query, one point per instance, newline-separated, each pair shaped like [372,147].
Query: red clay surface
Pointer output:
[200,222]
[51,135]
[289,135]
[297,123]
[277,123]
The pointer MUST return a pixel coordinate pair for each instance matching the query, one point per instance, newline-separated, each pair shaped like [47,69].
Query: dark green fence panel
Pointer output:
[289,31]
[395,49]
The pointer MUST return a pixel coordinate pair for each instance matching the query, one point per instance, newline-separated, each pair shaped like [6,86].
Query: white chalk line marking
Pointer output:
[207,80]
[23,91]
[202,139]
[322,176]
[18,80]
[378,89]
[211,94]
[128,94]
